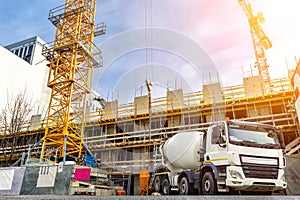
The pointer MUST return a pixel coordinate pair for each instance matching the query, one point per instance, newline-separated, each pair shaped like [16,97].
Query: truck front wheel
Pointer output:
[208,184]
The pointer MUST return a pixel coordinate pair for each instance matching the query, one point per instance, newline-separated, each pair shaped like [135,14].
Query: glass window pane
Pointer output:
[30,50]
[21,52]
[25,52]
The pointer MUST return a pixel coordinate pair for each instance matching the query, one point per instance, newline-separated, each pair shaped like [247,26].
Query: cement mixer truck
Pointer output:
[231,156]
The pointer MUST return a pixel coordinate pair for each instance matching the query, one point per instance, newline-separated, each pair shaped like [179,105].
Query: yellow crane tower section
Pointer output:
[72,59]
[259,38]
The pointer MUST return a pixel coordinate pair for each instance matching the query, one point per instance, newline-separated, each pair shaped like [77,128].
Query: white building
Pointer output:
[23,67]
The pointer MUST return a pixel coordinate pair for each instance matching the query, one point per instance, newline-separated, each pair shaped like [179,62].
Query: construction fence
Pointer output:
[60,179]
[45,179]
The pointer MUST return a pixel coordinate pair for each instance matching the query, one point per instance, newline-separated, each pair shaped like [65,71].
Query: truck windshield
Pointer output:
[253,136]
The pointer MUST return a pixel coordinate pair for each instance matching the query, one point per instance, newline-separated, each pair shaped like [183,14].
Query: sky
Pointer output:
[174,43]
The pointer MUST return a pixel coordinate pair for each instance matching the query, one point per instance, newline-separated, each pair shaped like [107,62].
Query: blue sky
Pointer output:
[218,27]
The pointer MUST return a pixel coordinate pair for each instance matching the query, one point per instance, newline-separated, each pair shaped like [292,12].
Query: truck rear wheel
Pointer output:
[166,186]
[184,187]
[157,183]
[208,184]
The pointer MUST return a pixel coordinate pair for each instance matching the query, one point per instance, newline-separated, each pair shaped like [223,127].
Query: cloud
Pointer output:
[124,51]
[218,27]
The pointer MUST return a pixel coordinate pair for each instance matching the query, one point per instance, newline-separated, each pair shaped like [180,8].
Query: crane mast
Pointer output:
[259,38]
[72,59]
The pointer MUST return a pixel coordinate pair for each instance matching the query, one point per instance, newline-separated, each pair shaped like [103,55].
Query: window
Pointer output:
[215,134]
[21,52]
[218,134]
[25,52]
[17,52]
[30,50]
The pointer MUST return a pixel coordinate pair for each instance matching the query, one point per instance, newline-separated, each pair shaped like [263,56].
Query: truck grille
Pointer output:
[260,171]
[260,166]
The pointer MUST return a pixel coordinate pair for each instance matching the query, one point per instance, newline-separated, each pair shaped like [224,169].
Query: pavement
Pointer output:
[219,197]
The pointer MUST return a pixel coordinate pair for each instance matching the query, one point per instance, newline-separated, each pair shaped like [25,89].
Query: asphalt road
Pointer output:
[54,197]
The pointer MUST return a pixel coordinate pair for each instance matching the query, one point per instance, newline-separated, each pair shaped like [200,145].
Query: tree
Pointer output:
[12,118]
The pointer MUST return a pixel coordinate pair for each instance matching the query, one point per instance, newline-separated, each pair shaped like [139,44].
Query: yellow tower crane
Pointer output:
[72,58]
[259,38]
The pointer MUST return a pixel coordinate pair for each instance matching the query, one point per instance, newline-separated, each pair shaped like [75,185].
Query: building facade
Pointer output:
[23,67]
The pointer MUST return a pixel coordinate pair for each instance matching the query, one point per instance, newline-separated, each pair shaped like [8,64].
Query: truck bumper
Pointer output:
[237,180]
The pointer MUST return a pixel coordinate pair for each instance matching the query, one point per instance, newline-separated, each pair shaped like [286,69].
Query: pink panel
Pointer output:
[82,174]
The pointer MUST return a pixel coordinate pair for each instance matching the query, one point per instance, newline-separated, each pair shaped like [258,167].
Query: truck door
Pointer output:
[217,145]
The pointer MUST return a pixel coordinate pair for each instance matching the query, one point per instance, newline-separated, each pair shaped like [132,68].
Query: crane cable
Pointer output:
[148,41]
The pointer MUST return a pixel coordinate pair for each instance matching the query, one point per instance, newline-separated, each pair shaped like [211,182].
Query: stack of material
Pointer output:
[91,181]
[293,147]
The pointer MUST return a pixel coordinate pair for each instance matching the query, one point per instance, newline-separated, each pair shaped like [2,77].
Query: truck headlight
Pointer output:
[236,175]
[282,178]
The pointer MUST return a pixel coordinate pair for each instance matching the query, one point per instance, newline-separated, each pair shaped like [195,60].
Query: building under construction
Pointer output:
[127,137]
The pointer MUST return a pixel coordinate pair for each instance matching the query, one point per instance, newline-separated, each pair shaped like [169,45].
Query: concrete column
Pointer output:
[141,105]
[253,86]
[175,99]
[136,184]
[110,110]
[212,93]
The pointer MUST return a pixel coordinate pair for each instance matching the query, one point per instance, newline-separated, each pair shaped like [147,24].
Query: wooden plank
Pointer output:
[292,144]
[293,150]
[82,191]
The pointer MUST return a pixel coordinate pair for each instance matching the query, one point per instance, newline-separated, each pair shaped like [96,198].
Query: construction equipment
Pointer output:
[231,156]
[259,38]
[144,182]
[72,59]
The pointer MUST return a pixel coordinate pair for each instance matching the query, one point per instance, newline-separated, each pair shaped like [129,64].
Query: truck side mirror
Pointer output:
[221,142]
[281,139]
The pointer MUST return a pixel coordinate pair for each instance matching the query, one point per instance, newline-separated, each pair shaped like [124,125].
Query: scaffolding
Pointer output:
[119,135]
[123,136]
